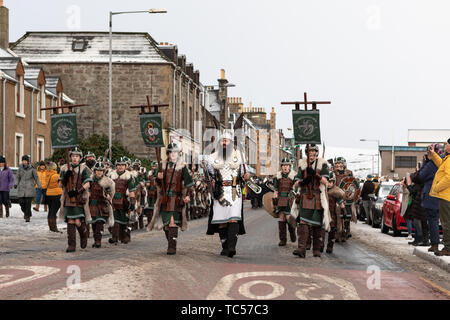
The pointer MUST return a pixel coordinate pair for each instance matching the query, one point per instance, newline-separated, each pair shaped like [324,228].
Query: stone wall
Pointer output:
[89,84]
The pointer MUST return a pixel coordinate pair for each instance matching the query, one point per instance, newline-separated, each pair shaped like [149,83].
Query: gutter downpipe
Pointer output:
[32,126]
[4,118]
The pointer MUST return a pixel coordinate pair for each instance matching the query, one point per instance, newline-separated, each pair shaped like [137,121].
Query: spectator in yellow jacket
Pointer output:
[441,190]
[42,174]
[53,195]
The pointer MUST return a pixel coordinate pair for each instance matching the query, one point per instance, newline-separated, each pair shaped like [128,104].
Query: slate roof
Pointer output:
[88,47]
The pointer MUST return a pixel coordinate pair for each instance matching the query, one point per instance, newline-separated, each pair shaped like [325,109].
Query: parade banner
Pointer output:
[306,127]
[64,131]
[151,129]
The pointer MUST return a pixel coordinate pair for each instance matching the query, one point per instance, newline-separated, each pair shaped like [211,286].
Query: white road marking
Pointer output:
[222,289]
[39,272]
[277,290]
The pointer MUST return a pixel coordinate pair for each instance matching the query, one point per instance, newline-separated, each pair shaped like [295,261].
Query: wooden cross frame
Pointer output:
[306,103]
[149,108]
[62,107]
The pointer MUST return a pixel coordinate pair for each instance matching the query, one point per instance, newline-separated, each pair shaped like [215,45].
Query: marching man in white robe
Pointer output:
[227,217]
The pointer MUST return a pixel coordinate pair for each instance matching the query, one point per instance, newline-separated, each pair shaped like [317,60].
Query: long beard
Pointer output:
[226,152]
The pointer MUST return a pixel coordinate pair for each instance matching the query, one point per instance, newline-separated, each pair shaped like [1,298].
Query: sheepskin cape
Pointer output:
[323,194]
[157,222]
[87,212]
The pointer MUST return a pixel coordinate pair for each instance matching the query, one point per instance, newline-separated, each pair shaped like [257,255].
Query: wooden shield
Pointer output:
[351,189]
[268,204]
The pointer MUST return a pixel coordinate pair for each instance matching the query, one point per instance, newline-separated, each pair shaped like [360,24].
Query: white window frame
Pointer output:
[21,87]
[18,160]
[40,139]
[41,104]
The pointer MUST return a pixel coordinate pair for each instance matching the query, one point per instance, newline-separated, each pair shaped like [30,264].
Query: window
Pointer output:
[20,99]
[405,162]
[18,149]
[41,104]
[40,149]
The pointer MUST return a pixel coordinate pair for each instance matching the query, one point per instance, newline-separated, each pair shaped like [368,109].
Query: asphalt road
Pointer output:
[39,268]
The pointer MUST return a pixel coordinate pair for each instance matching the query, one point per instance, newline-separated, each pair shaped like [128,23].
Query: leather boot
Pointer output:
[330,240]
[223,234]
[71,237]
[1,211]
[444,252]
[302,236]
[166,231]
[292,234]
[97,228]
[233,231]
[115,231]
[126,234]
[317,240]
[82,230]
[322,236]
[7,211]
[433,248]
[282,232]
[88,230]
[141,221]
[49,222]
[347,234]
[172,241]
[309,239]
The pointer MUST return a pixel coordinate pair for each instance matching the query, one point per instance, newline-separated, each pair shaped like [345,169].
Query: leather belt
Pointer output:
[227,183]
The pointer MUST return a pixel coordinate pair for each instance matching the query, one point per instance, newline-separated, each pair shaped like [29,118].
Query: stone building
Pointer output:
[141,67]
[25,90]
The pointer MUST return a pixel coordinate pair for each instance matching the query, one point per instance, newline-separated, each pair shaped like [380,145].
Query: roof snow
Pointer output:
[88,47]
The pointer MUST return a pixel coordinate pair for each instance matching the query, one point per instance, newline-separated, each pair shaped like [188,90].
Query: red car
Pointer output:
[391,217]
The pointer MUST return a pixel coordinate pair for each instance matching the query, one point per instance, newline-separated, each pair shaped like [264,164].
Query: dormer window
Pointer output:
[79,45]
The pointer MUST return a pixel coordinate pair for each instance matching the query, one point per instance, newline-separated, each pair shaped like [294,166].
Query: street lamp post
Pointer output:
[111,14]
[378,152]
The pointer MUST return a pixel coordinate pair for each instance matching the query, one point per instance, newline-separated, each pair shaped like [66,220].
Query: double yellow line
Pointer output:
[435,286]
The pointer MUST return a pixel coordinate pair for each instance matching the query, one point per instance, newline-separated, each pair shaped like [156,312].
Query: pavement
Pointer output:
[34,266]
[401,245]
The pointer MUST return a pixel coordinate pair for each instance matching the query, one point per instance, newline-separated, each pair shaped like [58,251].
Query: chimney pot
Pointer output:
[222,74]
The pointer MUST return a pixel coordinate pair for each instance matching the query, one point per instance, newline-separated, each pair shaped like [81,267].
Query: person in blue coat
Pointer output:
[431,204]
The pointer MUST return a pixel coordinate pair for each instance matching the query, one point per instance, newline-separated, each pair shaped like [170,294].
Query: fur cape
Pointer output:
[107,183]
[85,195]
[323,194]
[291,175]
[337,192]
[157,222]
[217,161]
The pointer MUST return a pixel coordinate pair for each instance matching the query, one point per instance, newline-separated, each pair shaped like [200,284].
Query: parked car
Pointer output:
[13,193]
[374,218]
[391,217]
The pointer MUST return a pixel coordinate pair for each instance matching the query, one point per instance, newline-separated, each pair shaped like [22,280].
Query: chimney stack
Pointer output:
[4,26]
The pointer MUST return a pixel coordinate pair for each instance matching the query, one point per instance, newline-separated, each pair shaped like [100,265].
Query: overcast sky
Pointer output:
[385,65]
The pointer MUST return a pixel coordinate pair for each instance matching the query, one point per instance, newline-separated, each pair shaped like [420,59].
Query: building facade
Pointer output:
[25,91]
[141,68]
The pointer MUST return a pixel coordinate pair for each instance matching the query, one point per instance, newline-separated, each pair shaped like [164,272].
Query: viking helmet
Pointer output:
[341,160]
[286,161]
[100,159]
[121,161]
[313,147]
[76,151]
[137,162]
[99,166]
[173,147]
[227,134]
[90,154]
